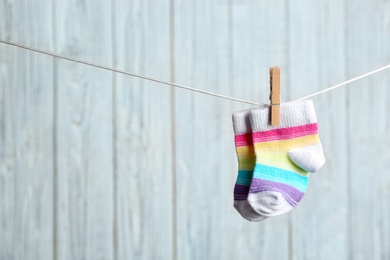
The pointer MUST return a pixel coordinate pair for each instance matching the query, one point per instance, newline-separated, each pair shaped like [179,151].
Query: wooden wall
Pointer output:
[97,165]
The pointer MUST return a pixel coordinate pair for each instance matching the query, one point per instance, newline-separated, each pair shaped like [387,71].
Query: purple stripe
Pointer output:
[241,192]
[291,194]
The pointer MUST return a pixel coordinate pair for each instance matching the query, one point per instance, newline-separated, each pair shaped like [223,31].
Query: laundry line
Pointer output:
[88,63]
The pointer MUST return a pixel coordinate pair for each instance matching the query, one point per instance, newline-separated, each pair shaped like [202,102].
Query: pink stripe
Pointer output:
[285,133]
[243,140]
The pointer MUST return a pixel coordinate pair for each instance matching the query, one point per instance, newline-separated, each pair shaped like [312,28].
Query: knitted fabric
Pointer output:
[285,155]
[246,163]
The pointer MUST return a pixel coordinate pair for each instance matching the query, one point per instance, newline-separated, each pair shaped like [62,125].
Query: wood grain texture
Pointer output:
[381,125]
[84,132]
[367,43]
[143,195]
[322,213]
[26,143]
[203,190]
[95,165]
[215,50]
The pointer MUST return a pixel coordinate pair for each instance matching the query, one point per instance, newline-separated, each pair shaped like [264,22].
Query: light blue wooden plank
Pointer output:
[314,65]
[379,85]
[26,139]
[143,195]
[203,191]
[84,132]
[368,122]
[220,48]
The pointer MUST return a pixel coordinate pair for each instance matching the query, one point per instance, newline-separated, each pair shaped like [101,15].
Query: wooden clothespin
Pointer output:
[274,73]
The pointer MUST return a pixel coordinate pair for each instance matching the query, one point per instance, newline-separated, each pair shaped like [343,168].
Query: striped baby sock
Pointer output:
[246,163]
[285,155]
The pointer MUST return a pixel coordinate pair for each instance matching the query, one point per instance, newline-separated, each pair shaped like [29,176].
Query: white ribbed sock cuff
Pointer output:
[291,114]
[241,122]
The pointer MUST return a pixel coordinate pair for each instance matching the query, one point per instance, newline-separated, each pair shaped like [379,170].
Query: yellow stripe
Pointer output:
[246,157]
[245,151]
[279,160]
[284,146]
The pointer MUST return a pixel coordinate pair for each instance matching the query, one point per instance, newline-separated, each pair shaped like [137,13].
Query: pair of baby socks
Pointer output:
[275,162]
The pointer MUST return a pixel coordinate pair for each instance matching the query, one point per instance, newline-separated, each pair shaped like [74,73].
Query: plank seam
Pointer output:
[173,127]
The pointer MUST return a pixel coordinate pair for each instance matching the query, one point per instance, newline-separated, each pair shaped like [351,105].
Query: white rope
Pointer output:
[182,86]
[127,73]
[345,82]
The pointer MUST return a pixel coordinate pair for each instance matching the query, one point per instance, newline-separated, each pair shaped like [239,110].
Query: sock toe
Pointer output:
[269,203]
[247,212]
[309,158]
